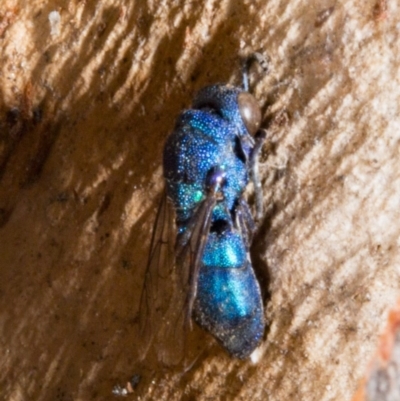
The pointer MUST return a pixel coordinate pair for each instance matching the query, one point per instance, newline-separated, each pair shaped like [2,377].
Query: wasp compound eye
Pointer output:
[250,112]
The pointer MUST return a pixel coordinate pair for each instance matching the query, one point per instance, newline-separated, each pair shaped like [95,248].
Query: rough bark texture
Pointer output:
[86,102]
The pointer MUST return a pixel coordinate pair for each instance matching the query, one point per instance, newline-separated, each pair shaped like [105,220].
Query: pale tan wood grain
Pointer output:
[87,100]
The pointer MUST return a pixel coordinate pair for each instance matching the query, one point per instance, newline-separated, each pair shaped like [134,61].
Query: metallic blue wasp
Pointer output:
[204,227]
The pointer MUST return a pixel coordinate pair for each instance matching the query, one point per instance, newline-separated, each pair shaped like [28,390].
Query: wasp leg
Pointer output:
[254,172]
[245,221]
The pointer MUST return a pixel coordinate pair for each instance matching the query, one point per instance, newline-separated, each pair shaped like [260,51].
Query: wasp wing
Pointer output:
[156,292]
[190,248]
[170,282]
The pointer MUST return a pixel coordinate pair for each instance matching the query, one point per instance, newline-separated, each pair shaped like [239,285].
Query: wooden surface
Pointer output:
[87,99]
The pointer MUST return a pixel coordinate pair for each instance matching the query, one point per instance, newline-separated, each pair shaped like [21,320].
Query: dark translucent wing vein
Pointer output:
[154,298]
[190,249]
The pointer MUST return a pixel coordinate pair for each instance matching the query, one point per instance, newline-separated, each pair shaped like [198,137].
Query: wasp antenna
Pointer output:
[262,61]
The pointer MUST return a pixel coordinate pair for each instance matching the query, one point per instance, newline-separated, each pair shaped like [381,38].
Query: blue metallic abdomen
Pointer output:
[228,302]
